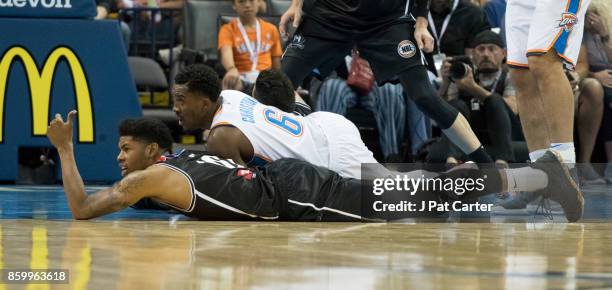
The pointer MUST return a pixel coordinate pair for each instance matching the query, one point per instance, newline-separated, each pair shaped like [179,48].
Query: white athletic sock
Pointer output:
[526,179]
[567,152]
[535,155]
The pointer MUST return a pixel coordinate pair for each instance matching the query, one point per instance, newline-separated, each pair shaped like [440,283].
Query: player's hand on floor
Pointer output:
[60,132]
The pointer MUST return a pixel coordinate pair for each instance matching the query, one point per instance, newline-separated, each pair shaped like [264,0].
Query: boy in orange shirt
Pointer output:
[243,60]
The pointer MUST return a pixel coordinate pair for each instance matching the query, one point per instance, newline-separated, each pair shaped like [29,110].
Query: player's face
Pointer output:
[246,8]
[132,155]
[489,57]
[189,108]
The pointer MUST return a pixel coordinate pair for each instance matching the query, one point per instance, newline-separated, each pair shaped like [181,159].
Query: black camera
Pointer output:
[459,65]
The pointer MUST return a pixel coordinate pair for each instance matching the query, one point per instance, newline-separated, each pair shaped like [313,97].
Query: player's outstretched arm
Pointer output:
[124,193]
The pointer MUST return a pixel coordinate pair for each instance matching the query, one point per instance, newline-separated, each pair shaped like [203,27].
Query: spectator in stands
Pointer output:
[247,45]
[103,8]
[386,102]
[454,24]
[599,55]
[484,95]
[262,6]
[496,14]
[160,3]
[165,26]
[588,97]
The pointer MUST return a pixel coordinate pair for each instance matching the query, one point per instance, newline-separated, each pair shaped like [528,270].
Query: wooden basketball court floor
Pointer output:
[157,250]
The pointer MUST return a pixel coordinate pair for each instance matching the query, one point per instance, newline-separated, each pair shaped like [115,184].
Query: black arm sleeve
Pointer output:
[420,8]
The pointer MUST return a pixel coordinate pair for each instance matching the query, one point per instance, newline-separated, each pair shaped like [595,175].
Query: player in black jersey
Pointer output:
[204,186]
[386,34]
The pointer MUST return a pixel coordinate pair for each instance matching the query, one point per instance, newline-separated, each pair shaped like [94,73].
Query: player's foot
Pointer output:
[561,186]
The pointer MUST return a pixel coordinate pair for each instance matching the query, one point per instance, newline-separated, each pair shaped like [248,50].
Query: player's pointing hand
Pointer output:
[60,132]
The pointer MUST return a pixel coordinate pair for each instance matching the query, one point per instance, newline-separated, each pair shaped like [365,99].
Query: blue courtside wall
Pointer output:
[99,47]
[48,8]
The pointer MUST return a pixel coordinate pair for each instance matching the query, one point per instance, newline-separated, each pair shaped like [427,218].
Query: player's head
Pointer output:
[273,88]
[141,142]
[489,52]
[246,8]
[195,93]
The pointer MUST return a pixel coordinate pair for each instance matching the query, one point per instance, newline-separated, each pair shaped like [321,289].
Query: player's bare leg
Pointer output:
[531,111]
[557,97]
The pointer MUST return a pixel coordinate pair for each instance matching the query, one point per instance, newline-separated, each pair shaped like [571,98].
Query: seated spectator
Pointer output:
[588,99]
[158,3]
[484,95]
[496,14]
[247,45]
[165,26]
[103,8]
[387,104]
[454,24]
[599,56]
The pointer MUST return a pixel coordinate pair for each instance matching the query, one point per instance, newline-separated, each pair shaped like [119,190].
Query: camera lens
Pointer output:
[457,70]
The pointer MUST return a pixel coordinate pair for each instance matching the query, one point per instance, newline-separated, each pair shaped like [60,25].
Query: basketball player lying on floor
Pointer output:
[248,132]
[203,186]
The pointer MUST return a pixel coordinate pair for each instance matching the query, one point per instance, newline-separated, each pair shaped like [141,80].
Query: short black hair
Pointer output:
[273,88]
[201,79]
[148,130]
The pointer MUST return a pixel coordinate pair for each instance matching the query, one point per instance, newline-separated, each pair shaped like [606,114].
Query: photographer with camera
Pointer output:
[480,89]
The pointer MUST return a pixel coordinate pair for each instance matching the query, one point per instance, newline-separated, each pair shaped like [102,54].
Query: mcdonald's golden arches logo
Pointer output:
[40,81]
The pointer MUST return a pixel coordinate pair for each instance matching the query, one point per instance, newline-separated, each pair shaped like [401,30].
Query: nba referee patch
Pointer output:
[406,49]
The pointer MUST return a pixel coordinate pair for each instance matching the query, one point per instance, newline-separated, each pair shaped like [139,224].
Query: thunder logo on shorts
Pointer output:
[568,20]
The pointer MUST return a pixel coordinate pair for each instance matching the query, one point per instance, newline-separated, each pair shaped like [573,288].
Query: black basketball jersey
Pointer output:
[222,190]
[356,14]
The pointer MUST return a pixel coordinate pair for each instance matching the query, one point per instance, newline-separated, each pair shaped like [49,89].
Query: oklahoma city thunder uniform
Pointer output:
[536,26]
[321,138]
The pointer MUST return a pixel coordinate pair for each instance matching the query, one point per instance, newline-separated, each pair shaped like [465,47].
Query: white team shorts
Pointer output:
[537,26]
[347,151]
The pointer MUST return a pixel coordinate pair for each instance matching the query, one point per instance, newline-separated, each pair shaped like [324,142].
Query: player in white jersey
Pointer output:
[249,132]
[542,37]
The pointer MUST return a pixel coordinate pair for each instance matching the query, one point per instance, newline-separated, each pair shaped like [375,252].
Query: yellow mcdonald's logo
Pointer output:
[40,82]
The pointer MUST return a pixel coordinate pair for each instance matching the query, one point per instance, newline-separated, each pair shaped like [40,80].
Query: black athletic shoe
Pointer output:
[561,186]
